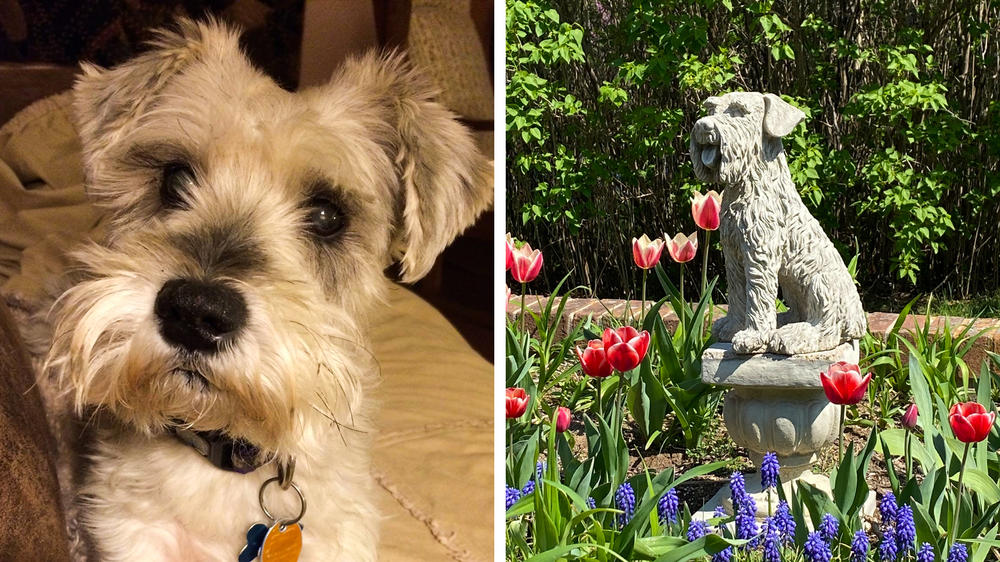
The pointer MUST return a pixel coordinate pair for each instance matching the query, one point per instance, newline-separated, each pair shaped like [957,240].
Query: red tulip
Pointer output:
[909,420]
[509,247]
[683,248]
[625,347]
[593,359]
[508,292]
[517,402]
[527,264]
[646,253]
[970,422]
[562,418]
[844,383]
[705,209]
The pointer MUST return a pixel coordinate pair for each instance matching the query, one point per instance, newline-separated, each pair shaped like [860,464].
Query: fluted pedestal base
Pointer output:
[776,403]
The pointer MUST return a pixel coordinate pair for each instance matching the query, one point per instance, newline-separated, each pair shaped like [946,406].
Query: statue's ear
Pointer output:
[780,117]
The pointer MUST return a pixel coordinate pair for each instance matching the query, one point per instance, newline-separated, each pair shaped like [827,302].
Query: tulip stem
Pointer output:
[683,310]
[843,416]
[642,308]
[704,264]
[510,440]
[617,410]
[524,292]
[908,455]
[600,410]
[958,498]
[704,281]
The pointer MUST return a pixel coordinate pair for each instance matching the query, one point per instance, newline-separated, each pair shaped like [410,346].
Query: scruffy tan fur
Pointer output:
[297,380]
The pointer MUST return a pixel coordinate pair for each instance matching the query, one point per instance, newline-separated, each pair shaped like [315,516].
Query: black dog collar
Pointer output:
[234,455]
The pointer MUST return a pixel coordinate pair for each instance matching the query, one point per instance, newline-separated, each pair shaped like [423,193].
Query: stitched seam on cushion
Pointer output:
[442,537]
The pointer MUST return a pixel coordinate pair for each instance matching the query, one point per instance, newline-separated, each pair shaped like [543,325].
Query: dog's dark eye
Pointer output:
[178,179]
[325,217]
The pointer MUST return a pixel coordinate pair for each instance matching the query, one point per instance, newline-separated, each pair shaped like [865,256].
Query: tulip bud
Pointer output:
[705,209]
[909,420]
[681,248]
[593,359]
[645,252]
[517,402]
[970,422]
[562,418]
[844,384]
[509,250]
[625,347]
[526,265]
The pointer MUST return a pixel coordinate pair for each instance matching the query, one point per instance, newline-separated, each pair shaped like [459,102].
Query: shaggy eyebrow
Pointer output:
[157,154]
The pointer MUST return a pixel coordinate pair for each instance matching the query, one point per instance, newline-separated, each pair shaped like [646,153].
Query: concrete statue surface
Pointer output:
[771,362]
[769,239]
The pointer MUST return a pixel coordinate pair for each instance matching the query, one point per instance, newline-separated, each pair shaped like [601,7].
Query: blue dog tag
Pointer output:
[255,540]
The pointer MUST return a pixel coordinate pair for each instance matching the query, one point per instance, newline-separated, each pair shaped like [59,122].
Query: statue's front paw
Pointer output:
[749,341]
[723,329]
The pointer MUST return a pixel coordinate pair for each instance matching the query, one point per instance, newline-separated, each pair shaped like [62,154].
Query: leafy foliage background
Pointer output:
[897,159]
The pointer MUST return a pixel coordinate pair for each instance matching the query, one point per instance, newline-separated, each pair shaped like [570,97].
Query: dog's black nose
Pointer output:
[199,315]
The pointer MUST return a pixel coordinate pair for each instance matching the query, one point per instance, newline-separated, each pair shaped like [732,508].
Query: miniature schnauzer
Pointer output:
[217,332]
[769,239]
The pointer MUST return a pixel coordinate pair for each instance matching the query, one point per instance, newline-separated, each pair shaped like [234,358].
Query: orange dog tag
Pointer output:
[282,545]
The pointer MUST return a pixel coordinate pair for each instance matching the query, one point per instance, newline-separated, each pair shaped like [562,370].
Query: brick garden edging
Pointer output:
[603,311]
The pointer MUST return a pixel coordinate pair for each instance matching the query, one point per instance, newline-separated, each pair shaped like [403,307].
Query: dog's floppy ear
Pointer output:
[105,101]
[445,183]
[780,117]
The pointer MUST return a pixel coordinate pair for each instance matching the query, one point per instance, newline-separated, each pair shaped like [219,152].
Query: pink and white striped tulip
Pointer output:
[527,264]
[646,252]
[705,209]
[681,248]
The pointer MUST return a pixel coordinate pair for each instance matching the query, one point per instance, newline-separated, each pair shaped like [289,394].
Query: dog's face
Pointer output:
[739,134]
[249,232]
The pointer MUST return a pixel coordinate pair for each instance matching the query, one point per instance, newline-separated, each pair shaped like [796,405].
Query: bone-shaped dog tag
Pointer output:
[255,538]
[282,543]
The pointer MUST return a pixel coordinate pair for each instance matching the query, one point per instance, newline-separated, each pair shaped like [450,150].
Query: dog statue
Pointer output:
[769,239]
[214,341]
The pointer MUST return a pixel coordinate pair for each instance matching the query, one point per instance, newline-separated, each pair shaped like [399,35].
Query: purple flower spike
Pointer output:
[769,471]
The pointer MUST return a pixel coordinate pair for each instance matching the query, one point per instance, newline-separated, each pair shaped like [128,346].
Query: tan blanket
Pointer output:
[433,454]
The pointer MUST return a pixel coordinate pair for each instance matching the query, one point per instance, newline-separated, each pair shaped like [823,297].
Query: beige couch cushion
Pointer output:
[433,454]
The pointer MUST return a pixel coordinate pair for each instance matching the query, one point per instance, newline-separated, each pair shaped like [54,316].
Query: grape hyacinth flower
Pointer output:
[528,488]
[512,495]
[816,549]
[772,540]
[737,487]
[769,470]
[785,522]
[696,530]
[925,553]
[625,500]
[958,553]
[720,513]
[906,530]
[746,519]
[828,527]
[887,549]
[887,508]
[668,507]
[591,503]
[723,555]
[859,547]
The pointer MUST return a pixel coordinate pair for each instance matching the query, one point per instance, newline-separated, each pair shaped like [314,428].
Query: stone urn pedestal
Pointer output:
[776,403]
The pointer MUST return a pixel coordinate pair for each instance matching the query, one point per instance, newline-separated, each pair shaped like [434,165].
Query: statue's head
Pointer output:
[740,134]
